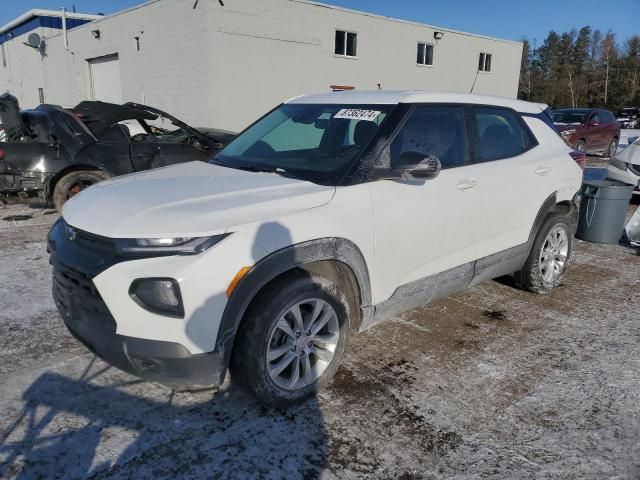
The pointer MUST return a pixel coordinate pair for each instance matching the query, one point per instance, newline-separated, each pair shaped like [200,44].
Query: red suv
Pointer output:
[588,130]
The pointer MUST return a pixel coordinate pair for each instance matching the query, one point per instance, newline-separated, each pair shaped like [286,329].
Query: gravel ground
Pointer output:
[492,382]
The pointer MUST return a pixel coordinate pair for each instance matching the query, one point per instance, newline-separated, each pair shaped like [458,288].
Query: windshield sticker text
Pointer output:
[357,114]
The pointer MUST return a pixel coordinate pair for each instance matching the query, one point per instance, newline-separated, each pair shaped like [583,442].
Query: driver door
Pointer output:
[423,228]
[153,154]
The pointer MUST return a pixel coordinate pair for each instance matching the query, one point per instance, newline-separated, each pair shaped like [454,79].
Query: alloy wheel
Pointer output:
[302,344]
[553,256]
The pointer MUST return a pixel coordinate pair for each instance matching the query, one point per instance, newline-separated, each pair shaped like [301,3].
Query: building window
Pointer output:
[425,54]
[4,58]
[484,63]
[346,43]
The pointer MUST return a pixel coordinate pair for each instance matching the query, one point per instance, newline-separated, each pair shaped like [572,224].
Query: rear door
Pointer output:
[146,155]
[516,178]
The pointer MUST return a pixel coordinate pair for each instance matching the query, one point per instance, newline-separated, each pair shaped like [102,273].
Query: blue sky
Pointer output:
[511,19]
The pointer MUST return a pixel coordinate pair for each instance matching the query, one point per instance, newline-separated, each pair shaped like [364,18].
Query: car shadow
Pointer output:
[78,428]
[100,426]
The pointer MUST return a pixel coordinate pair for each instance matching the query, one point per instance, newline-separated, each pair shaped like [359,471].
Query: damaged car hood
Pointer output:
[189,200]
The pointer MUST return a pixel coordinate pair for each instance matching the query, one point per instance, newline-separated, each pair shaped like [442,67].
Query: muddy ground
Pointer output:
[492,382]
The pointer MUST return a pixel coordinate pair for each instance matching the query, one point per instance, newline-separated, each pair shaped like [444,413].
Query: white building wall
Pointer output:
[170,71]
[224,66]
[24,72]
[276,49]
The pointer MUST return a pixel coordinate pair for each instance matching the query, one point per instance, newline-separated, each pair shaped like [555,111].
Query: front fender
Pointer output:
[281,261]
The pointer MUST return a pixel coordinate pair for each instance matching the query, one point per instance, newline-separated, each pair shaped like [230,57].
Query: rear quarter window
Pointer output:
[500,134]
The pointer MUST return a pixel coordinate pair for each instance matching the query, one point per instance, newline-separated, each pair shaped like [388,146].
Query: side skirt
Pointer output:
[426,290]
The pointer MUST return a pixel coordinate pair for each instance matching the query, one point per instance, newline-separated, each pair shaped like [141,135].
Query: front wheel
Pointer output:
[612,148]
[292,339]
[581,146]
[547,262]
[73,183]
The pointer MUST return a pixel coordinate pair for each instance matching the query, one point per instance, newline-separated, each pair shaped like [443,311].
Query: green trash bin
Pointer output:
[603,209]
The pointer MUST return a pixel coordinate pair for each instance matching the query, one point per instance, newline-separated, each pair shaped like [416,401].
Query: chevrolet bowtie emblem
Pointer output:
[70,233]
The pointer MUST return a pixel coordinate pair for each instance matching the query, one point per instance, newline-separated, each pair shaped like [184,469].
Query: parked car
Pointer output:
[326,216]
[625,167]
[588,130]
[628,118]
[58,152]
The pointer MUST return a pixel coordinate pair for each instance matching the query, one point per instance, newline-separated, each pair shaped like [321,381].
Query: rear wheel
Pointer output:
[547,262]
[73,183]
[292,340]
[612,148]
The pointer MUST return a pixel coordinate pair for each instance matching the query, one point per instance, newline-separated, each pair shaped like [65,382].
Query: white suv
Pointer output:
[327,215]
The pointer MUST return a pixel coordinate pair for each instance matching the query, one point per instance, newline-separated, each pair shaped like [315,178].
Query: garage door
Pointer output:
[105,79]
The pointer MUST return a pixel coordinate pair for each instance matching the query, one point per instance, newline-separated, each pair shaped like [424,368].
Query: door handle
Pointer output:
[467,184]
[543,170]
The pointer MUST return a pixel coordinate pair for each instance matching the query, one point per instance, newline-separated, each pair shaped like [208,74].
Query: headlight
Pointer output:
[178,246]
[566,133]
[158,295]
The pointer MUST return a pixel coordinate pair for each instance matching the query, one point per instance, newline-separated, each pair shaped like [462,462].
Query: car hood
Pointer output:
[188,200]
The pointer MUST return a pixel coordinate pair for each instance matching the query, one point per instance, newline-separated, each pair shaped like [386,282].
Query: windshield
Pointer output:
[569,118]
[313,142]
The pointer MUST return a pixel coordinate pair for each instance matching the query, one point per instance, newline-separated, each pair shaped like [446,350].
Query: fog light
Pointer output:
[158,295]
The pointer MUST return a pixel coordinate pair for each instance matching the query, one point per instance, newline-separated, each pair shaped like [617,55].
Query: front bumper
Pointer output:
[88,319]
[623,175]
[125,335]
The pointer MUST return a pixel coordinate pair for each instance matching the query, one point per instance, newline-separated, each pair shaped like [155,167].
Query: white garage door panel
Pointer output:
[105,79]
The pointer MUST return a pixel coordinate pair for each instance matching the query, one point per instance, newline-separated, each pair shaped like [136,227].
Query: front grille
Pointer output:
[95,243]
[79,300]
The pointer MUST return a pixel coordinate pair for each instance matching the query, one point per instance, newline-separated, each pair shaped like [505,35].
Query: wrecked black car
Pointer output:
[57,152]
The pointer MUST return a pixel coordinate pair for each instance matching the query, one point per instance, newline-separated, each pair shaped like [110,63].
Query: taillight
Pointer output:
[1,153]
[579,157]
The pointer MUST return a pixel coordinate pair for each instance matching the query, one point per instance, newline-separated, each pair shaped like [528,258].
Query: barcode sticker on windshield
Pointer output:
[357,114]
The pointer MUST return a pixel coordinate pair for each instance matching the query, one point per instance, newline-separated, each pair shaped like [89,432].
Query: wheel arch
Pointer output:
[81,167]
[338,259]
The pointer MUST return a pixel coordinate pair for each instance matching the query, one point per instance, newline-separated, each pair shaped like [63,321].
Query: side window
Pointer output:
[435,131]
[500,134]
[595,118]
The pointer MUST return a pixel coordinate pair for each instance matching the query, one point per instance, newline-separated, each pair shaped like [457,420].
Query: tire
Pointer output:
[612,148]
[261,333]
[581,146]
[535,276]
[73,183]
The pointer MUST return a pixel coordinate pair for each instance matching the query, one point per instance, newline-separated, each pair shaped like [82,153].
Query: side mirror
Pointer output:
[411,166]
[417,165]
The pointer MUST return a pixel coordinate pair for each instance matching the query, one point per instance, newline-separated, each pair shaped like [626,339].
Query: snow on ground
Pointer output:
[492,382]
